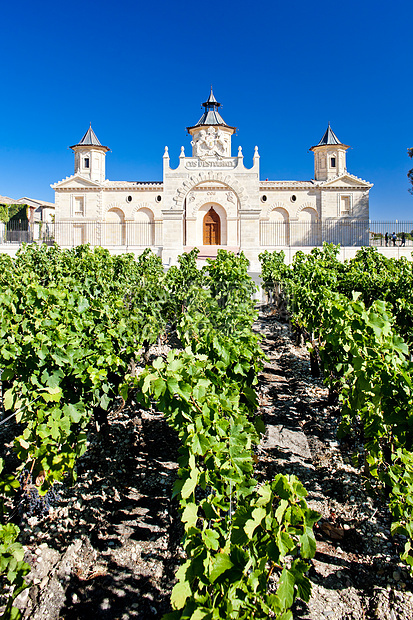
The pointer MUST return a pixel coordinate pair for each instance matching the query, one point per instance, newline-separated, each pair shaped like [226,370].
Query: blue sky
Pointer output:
[140,70]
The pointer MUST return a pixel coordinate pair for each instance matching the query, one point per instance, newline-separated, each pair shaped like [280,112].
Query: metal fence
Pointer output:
[272,234]
[343,232]
[402,230]
[141,234]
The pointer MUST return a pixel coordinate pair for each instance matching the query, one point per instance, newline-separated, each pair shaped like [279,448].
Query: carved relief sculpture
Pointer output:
[209,143]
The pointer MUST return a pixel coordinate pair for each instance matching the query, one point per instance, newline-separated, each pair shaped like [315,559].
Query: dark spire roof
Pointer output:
[211,99]
[211,116]
[90,139]
[329,138]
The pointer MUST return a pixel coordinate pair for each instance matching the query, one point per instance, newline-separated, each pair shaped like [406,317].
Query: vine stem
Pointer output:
[18,411]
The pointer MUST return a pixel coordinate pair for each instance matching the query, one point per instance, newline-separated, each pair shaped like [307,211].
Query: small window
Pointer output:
[79,206]
[129,198]
[264,198]
[333,162]
[293,198]
[86,162]
[345,205]
[158,198]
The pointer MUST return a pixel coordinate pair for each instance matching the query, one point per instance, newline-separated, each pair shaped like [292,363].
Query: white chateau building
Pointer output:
[211,200]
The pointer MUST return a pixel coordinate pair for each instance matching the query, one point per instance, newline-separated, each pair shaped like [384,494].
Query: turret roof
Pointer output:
[90,139]
[211,116]
[329,138]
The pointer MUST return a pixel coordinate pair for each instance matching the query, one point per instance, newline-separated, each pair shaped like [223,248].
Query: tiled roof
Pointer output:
[89,139]
[211,116]
[280,184]
[156,184]
[4,200]
[42,203]
[329,138]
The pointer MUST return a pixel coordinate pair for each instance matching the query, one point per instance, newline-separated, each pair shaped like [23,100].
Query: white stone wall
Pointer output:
[292,200]
[332,201]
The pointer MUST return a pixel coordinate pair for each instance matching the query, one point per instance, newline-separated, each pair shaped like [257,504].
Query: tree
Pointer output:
[410,173]
[7,211]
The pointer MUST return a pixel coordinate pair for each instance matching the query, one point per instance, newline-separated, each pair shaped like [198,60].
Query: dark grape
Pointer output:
[28,501]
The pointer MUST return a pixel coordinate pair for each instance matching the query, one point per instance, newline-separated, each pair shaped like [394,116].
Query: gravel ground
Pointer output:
[110,548]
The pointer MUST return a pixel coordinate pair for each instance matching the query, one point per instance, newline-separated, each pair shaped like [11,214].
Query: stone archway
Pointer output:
[211,228]
[213,177]
[308,227]
[143,227]
[279,225]
[225,203]
[114,227]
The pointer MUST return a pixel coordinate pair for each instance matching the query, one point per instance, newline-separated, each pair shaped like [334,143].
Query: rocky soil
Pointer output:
[110,548]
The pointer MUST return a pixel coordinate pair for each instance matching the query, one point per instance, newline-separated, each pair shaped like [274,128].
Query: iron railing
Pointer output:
[343,232]
[141,234]
[272,234]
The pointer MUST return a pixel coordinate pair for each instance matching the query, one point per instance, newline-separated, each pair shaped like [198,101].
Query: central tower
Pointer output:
[211,136]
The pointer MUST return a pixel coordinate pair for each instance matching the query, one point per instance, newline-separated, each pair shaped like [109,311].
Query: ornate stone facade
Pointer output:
[210,200]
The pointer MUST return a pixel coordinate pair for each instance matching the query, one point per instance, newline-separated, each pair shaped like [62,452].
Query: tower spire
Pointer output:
[329,156]
[90,156]
[211,136]
[211,116]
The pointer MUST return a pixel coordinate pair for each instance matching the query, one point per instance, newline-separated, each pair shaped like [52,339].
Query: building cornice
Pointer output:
[346,175]
[116,186]
[276,185]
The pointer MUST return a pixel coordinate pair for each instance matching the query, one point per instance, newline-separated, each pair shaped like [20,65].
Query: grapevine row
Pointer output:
[72,326]
[238,532]
[357,318]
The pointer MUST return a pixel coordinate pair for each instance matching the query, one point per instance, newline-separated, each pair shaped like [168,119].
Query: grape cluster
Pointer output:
[29,502]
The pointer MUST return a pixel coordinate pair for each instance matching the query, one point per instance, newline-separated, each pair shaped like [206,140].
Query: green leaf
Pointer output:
[251,525]
[8,398]
[199,614]
[285,590]
[265,494]
[180,592]
[158,363]
[190,484]
[72,412]
[210,538]
[173,385]
[190,515]
[221,564]
[52,394]
[148,380]
[308,544]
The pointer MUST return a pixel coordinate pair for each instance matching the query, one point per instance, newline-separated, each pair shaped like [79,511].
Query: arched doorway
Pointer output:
[143,227]
[309,229]
[279,227]
[114,227]
[212,228]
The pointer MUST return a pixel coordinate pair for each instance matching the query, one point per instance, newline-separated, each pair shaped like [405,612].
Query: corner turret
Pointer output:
[90,157]
[329,157]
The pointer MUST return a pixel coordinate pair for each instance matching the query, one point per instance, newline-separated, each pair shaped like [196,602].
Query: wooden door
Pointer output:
[212,228]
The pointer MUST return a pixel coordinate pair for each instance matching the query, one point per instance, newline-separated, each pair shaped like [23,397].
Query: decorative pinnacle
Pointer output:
[166,153]
[240,151]
[182,152]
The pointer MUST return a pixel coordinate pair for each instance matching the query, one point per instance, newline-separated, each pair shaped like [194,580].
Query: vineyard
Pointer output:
[112,363]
